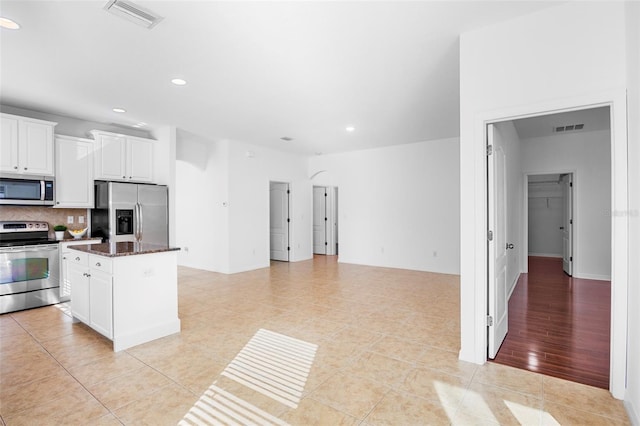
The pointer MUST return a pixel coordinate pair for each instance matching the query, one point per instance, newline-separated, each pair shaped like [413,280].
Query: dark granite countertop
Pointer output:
[126,248]
[71,239]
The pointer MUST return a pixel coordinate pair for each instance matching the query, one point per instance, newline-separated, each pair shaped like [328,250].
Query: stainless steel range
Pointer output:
[29,266]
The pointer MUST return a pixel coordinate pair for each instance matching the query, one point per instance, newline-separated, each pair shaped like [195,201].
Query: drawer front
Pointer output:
[99,263]
[77,257]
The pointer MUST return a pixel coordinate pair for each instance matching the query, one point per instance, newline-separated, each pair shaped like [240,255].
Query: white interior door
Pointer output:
[319,220]
[279,220]
[567,223]
[497,244]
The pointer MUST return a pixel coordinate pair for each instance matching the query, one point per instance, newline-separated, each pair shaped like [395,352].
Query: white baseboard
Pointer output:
[137,337]
[513,285]
[546,255]
[632,413]
[592,276]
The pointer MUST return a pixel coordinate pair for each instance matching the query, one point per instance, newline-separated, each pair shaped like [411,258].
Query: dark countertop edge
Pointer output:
[70,240]
[94,249]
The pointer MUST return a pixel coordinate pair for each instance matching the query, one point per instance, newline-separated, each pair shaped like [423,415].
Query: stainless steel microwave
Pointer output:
[27,191]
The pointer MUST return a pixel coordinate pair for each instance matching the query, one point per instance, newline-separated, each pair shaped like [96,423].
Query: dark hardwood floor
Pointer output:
[559,325]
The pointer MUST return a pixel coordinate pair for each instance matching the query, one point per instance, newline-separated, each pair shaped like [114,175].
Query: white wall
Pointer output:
[588,155]
[545,216]
[222,203]
[632,399]
[251,168]
[201,193]
[398,206]
[561,57]
[505,135]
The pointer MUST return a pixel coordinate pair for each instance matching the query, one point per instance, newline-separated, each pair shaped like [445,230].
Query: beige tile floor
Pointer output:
[387,354]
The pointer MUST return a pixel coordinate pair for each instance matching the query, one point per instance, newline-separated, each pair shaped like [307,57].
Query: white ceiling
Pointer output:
[544,125]
[256,71]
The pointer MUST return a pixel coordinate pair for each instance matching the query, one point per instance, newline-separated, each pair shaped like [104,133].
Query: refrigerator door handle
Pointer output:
[136,227]
[141,222]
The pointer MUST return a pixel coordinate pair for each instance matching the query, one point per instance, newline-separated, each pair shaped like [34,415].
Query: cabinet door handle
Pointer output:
[64,258]
[98,264]
[15,167]
[78,259]
[25,168]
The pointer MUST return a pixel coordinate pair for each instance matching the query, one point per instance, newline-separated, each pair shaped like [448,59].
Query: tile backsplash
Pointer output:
[45,214]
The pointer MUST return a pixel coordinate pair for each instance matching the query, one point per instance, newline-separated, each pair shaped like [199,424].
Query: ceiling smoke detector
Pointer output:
[133,13]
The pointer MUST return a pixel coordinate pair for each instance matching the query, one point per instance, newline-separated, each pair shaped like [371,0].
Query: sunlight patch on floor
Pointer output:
[272,364]
[275,365]
[218,407]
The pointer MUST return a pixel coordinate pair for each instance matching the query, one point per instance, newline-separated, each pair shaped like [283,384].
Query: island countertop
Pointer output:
[125,248]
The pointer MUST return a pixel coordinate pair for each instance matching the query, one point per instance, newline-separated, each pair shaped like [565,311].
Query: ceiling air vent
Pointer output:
[568,128]
[134,13]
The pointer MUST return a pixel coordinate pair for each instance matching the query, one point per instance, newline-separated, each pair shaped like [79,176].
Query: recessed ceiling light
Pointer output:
[9,24]
[350,128]
[119,110]
[179,81]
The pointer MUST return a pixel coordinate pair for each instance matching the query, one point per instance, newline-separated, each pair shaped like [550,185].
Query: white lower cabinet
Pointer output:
[91,292]
[78,276]
[101,302]
[129,299]
[67,257]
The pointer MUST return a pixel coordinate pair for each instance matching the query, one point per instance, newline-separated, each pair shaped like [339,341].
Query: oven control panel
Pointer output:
[23,226]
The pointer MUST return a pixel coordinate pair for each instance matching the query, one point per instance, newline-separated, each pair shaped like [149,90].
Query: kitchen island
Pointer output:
[126,291]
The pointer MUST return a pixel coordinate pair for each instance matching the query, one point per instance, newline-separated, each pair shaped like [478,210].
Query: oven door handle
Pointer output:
[24,249]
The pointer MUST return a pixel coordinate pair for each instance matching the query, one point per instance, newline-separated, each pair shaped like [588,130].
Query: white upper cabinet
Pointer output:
[26,146]
[74,172]
[123,158]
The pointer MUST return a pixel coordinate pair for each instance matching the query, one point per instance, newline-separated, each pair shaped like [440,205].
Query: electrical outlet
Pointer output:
[69,219]
[80,219]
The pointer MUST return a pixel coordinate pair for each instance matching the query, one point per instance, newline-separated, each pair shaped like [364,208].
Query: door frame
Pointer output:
[524,267]
[473,321]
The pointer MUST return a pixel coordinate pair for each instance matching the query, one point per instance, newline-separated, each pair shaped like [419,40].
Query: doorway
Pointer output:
[550,217]
[550,231]
[325,220]
[279,221]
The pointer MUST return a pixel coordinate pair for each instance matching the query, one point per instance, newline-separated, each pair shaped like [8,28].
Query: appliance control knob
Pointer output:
[25,168]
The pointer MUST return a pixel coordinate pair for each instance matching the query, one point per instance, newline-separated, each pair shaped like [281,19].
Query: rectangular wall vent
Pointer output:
[568,128]
[133,13]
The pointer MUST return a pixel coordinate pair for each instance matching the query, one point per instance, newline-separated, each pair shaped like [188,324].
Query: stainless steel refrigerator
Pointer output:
[130,212]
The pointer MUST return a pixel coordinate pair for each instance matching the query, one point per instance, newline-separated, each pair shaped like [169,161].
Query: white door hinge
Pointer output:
[489,321]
